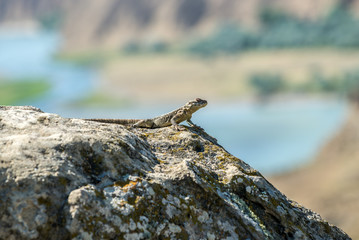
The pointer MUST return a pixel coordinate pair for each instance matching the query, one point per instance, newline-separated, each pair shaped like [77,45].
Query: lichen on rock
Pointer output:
[75,179]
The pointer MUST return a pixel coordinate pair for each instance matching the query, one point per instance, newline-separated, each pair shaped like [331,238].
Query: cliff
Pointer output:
[330,184]
[109,24]
[69,178]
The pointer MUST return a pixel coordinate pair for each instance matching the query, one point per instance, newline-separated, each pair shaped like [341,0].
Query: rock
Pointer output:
[74,179]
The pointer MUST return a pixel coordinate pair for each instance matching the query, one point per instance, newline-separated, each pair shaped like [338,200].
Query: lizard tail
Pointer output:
[115,121]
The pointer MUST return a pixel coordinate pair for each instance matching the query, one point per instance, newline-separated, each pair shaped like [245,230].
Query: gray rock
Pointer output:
[73,179]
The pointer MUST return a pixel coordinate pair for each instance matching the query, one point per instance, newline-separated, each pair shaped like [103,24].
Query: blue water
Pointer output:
[278,136]
[272,138]
[31,54]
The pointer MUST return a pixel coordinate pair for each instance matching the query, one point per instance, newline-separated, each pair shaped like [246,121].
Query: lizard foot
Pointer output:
[179,127]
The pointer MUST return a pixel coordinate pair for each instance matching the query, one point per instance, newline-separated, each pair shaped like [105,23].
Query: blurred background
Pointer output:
[281,78]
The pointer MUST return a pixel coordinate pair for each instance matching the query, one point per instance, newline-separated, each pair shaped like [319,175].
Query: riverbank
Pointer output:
[329,185]
[173,77]
[22,90]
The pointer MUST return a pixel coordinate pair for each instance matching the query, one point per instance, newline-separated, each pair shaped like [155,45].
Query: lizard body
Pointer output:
[173,118]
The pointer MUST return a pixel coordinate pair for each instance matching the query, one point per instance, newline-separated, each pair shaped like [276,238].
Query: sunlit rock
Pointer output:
[69,178]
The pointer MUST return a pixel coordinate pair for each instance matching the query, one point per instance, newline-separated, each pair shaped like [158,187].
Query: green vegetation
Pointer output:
[134,47]
[98,58]
[229,39]
[281,30]
[158,47]
[267,84]
[351,86]
[51,20]
[318,83]
[90,58]
[22,90]
[346,84]
[100,100]
[300,71]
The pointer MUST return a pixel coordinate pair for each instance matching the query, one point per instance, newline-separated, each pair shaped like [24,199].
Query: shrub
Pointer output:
[51,21]
[351,85]
[228,39]
[280,30]
[131,48]
[267,84]
[158,47]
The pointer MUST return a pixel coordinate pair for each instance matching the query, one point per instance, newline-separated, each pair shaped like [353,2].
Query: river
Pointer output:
[272,138]
[26,54]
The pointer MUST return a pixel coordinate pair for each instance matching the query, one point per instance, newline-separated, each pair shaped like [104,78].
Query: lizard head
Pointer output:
[196,104]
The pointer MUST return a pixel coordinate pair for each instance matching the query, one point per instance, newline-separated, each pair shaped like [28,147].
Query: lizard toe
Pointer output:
[179,127]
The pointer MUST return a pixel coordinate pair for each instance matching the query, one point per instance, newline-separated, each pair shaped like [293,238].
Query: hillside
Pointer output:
[112,23]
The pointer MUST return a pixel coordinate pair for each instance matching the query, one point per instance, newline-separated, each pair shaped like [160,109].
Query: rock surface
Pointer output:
[73,179]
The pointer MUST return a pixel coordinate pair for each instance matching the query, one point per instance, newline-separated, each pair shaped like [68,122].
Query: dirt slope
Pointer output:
[330,186]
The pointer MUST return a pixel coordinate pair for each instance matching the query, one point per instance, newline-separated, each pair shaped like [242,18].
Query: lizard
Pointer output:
[173,118]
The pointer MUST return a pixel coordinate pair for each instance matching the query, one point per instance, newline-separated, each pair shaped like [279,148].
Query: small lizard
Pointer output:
[173,118]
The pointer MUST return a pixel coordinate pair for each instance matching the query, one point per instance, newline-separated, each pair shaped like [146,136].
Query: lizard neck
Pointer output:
[191,109]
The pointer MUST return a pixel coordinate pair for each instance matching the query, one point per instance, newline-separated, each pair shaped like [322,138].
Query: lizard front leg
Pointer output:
[193,125]
[175,124]
[179,117]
